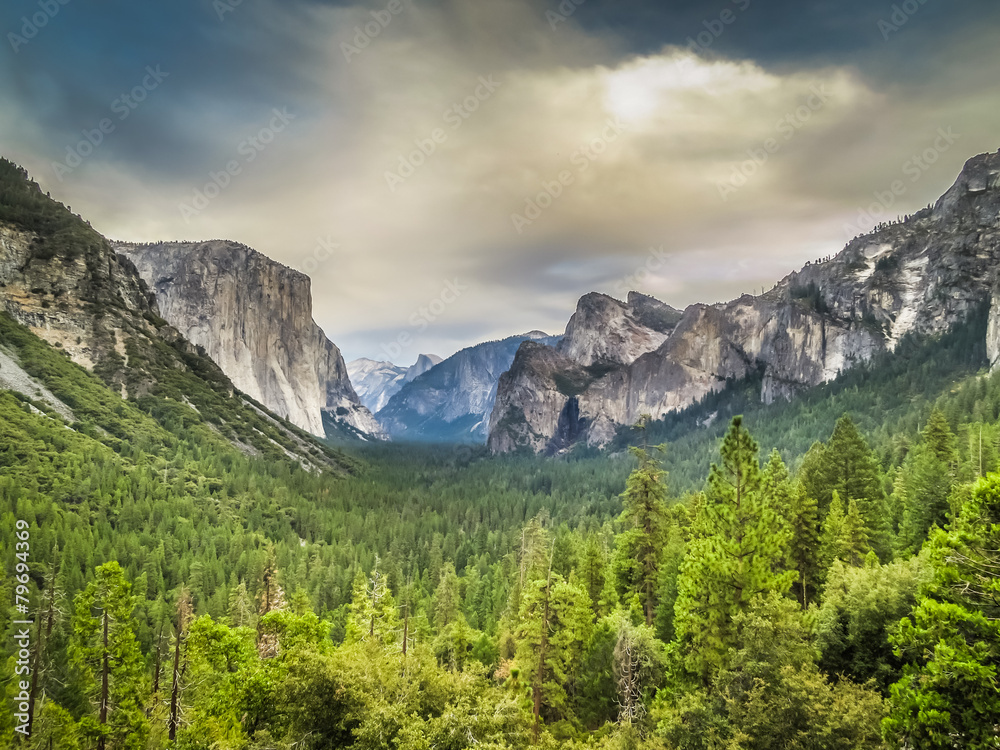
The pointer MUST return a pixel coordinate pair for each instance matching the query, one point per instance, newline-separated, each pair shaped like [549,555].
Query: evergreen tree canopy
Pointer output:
[739,547]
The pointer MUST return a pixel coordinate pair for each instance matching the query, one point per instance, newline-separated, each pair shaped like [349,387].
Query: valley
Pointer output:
[523,543]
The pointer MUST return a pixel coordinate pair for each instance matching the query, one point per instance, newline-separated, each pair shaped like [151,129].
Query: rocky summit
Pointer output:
[618,361]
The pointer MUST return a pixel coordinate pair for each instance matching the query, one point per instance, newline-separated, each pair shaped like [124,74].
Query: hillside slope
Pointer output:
[64,283]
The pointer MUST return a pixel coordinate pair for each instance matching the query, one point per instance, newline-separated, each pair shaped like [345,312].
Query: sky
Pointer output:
[455,171]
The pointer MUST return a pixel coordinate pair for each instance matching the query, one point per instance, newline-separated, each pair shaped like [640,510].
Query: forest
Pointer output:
[816,574]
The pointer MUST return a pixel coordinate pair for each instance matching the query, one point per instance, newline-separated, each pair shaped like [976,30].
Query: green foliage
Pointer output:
[107,662]
[948,694]
[861,606]
[418,596]
[804,545]
[555,624]
[373,618]
[771,694]
[926,480]
[645,517]
[59,233]
[739,546]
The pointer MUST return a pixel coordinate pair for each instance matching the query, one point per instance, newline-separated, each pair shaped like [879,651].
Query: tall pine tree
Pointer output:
[645,519]
[739,546]
[106,656]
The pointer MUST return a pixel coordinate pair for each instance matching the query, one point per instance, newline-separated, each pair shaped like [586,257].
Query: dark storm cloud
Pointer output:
[221,73]
[782,32]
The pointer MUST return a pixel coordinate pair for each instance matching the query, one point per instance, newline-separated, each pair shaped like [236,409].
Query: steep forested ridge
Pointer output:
[817,574]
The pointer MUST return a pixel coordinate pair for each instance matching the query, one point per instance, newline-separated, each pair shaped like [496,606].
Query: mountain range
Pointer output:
[109,305]
[923,274]
[378,381]
[452,401]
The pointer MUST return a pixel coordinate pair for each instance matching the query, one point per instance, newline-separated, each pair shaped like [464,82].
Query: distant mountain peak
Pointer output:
[452,401]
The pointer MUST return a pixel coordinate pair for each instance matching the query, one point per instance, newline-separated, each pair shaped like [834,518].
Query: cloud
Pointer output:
[474,142]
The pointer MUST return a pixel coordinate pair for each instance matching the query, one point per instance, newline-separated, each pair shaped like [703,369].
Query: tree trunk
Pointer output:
[40,640]
[105,670]
[542,649]
[156,673]
[406,627]
[175,691]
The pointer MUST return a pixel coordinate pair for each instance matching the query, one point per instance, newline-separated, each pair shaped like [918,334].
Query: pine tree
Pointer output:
[833,532]
[813,476]
[373,617]
[947,696]
[241,611]
[106,656]
[636,659]
[737,552]
[184,611]
[776,485]
[555,622]
[853,471]
[447,601]
[645,515]
[930,473]
[852,468]
[853,541]
[804,546]
[596,577]
[47,615]
[272,596]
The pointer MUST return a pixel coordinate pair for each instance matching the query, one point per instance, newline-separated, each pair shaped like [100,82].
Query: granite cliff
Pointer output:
[253,316]
[65,283]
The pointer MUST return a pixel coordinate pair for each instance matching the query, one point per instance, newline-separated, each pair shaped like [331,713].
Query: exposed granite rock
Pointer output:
[993,330]
[253,316]
[606,331]
[87,301]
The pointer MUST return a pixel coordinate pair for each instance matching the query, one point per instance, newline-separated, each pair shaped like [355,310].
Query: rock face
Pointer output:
[253,316]
[452,401]
[605,331]
[376,382]
[63,281]
[921,276]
